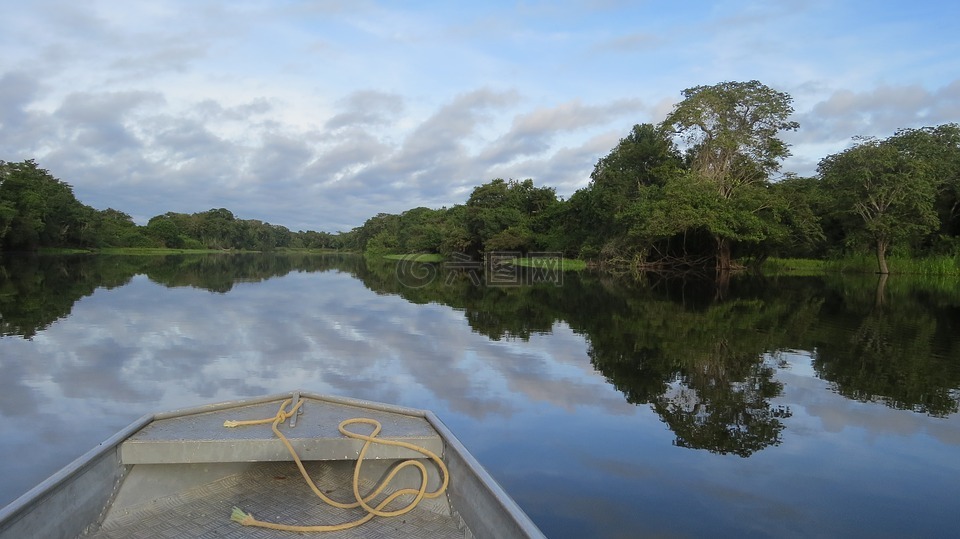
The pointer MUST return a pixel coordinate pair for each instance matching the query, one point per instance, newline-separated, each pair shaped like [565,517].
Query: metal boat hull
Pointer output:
[178,474]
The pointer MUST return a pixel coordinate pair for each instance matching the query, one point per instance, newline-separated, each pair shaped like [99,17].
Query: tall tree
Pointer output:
[730,133]
[167,229]
[801,203]
[646,158]
[420,230]
[217,228]
[885,193]
[939,148]
[37,209]
[502,215]
[112,228]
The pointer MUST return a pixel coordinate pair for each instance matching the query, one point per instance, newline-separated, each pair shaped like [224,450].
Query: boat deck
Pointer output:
[275,492]
[189,471]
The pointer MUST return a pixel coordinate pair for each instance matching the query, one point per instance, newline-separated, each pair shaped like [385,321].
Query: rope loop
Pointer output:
[360,500]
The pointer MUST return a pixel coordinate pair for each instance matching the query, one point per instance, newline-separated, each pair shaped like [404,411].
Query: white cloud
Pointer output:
[367,107]
[317,116]
[829,125]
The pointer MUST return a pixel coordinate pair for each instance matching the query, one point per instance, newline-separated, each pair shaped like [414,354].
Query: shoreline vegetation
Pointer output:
[945,266]
[174,251]
[417,257]
[898,265]
[551,263]
[700,193]
[545,262]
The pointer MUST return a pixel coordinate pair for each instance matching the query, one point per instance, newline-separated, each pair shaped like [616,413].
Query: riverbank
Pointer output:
[172,251]
[860,263]
[938,265]
[553,263]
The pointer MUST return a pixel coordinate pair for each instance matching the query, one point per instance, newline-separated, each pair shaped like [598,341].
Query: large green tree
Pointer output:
[730,133]
[801,204]
[37,209]
[168,229]
[113,228]
[939,148]
[884,194]
[605,213]
[504,215]
[420,230]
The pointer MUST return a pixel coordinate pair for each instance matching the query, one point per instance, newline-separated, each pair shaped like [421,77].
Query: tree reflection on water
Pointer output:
[705,360]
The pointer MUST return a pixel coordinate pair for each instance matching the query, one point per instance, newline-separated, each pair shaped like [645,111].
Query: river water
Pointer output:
[606,406]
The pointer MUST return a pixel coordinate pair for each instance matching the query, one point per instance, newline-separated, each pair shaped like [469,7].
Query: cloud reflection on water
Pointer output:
[142,348]
[535,410]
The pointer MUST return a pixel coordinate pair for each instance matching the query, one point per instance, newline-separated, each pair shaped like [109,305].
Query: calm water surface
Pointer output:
[606,407]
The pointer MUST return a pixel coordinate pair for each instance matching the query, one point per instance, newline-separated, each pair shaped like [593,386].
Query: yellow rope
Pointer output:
[282,415]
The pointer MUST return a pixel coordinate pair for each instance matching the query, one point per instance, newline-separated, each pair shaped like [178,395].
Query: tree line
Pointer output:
[38,210]
[698,190]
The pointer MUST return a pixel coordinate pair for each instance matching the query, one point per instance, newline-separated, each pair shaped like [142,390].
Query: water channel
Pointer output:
[606,406]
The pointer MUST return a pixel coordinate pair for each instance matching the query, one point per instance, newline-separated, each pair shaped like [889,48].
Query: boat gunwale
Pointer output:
[508,504]
[25,502]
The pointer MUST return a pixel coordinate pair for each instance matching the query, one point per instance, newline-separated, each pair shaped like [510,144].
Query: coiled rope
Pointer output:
[247,519]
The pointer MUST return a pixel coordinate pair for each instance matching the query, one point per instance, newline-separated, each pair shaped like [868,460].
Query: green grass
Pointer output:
[169,251]
[124,251]
[416,257]
[158,251]
[62,251]
[312,250]
[566,264]
[853,263]
[798,266]
[867,263]
[931,265]
[864,263]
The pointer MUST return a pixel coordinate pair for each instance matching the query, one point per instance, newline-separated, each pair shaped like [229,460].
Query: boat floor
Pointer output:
[274,492]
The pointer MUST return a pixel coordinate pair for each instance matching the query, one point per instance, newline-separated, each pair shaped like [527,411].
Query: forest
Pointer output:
[702,189]
[38,210]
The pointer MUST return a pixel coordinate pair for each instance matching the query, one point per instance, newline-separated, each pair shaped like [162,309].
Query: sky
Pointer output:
[317,115]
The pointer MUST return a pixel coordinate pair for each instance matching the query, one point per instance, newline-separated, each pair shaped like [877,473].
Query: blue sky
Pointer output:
[318,115]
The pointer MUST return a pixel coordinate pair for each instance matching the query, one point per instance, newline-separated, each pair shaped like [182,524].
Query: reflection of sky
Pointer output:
[580,459]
